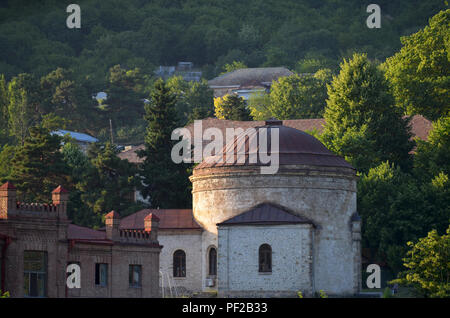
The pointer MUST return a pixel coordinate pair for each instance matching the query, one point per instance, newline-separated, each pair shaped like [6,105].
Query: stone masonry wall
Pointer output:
[291,260]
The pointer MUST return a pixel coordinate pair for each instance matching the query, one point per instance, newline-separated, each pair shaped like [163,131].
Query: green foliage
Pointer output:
[166,183]
[4,100]
[235,65]
[396,208]
[387,293]
[24,106]
[420,72]
[298,96]
[4,294]
[322,294]
[362,123]
[427,265]
[259,105]
[6,155]
[37,167]
[231,107]
[108,183]
[194,100]
[433,155]
[139,34]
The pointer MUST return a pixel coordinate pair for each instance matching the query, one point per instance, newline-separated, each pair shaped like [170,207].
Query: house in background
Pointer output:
[184,69]
[83,140]
[247,81]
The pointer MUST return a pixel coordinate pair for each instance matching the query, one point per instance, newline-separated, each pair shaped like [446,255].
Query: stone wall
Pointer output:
[291,260]
[325,195]
[190,241]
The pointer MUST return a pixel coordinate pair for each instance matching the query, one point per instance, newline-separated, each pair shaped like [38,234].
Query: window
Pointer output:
[101,274]
[265,258]
[135,276]
[179,264]
[35,273]
[212,261]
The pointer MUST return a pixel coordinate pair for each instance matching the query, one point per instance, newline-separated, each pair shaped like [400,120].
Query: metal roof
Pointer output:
[295,148]
[75,135]
[250,76]
[266,214]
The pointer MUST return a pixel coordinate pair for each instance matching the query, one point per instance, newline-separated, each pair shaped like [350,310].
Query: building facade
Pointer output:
[38,243]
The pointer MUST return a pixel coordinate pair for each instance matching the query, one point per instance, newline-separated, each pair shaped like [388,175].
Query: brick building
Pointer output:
[38,242]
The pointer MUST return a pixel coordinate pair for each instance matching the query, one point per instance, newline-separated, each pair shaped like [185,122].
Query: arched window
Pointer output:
[179,264]
[265,258]
[212,261]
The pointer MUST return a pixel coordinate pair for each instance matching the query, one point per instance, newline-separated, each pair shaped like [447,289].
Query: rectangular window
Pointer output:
[35,273]
[135,277]
[101,274]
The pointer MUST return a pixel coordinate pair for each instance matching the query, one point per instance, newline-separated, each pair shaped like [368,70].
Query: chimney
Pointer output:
[8,199]
[112,222]
[60,197]
[151,225]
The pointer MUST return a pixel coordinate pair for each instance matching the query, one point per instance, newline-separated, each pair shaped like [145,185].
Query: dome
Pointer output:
[295,148]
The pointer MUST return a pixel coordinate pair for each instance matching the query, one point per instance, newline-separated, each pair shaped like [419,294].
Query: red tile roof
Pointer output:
[80,233]
[112,215]
[8,186]
[60,189]
[169,219]
[131,154]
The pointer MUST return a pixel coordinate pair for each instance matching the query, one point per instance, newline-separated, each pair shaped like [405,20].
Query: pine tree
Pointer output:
[107,183]
[3,110]
[38,166]
[166,183]
[362,123]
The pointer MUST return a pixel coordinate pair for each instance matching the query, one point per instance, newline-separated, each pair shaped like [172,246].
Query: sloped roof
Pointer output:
[169,219]
[295,148]
[266,214]
[131,154]
[75,135]
[250,76]
[81,233]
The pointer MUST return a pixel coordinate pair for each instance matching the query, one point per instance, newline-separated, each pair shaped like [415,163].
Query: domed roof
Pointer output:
[295,148]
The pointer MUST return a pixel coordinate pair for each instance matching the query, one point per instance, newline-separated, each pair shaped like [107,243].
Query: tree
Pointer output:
[38,167]
[235,65]
[231,107]
[298,96]
[166,183]
[4,100]
[64,97]
[194,100]
[24,105]
[108,182]
[124,104]
[390,203]
[420,72]
[259,105]
[362,123]
[428,265]
[433,155]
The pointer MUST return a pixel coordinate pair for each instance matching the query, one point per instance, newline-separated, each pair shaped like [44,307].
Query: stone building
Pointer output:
[247,81]
[253,234]
[38,242]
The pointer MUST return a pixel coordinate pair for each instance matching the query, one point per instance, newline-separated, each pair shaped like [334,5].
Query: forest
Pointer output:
[366,83]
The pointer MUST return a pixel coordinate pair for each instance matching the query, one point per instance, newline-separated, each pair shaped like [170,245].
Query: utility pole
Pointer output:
[111,131]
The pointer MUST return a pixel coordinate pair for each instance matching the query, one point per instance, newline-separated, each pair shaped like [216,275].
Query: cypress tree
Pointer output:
[166,183]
